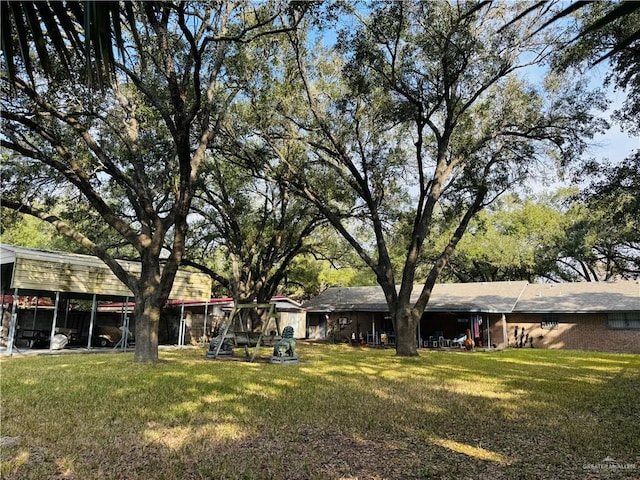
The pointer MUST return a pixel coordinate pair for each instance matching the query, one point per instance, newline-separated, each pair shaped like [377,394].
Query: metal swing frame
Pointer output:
[263,327]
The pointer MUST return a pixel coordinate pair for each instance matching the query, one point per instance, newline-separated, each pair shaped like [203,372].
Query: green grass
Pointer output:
[342,412]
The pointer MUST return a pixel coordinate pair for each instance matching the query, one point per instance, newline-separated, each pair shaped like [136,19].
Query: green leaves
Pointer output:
[511,240]
[618,11]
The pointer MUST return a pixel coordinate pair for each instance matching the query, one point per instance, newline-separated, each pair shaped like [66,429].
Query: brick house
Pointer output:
[600,316]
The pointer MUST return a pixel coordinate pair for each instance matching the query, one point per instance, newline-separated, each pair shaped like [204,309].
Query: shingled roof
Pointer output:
[492,297]
[580,297]
[488,297]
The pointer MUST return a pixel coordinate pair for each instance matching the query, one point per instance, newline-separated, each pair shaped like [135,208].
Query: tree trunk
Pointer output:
[406,326]
[149,302]
[147,318]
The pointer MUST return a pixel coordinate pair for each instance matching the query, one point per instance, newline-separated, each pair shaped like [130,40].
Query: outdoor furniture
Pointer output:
[35,338]
[459,341]
[446,342]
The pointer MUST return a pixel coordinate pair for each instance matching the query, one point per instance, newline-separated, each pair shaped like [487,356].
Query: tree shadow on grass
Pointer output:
[339,413]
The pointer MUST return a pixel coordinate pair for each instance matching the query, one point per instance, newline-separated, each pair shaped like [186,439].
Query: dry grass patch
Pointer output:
[341,413]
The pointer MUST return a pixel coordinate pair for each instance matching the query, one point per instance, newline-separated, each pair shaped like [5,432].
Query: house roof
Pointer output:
[492,297]
[42,271]
[580,297]
[348,299]
[488,297]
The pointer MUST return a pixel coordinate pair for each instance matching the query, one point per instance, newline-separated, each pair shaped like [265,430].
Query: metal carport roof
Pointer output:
[40,271]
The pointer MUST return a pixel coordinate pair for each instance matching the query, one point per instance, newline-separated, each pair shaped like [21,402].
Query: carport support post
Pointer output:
[14,321]
[125,331]
[182,327]
[66,312]
[35,314]
[94,306]
[204,328]
[53,324]
[124,339]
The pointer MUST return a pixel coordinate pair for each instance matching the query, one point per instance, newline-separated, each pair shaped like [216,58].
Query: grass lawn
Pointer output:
[342,412]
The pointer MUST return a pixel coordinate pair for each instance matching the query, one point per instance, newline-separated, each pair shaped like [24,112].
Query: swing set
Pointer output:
[244,337]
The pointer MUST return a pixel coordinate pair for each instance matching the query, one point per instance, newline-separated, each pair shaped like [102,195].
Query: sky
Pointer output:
[615,144]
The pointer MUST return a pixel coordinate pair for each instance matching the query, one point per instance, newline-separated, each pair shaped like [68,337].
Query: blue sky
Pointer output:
[615,144]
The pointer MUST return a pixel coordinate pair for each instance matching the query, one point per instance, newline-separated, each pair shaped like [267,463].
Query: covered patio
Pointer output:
[362,313]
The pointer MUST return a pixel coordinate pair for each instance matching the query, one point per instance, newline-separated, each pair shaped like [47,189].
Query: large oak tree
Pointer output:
[130,152]
[248,232]
[424,112]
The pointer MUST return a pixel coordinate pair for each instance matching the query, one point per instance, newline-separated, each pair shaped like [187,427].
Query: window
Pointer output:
[549,321]
[624,320]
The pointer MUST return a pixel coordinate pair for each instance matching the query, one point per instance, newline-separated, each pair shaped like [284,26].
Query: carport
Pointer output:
[26,272]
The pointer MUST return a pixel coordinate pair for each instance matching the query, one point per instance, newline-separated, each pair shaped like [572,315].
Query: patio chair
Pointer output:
[459,341]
